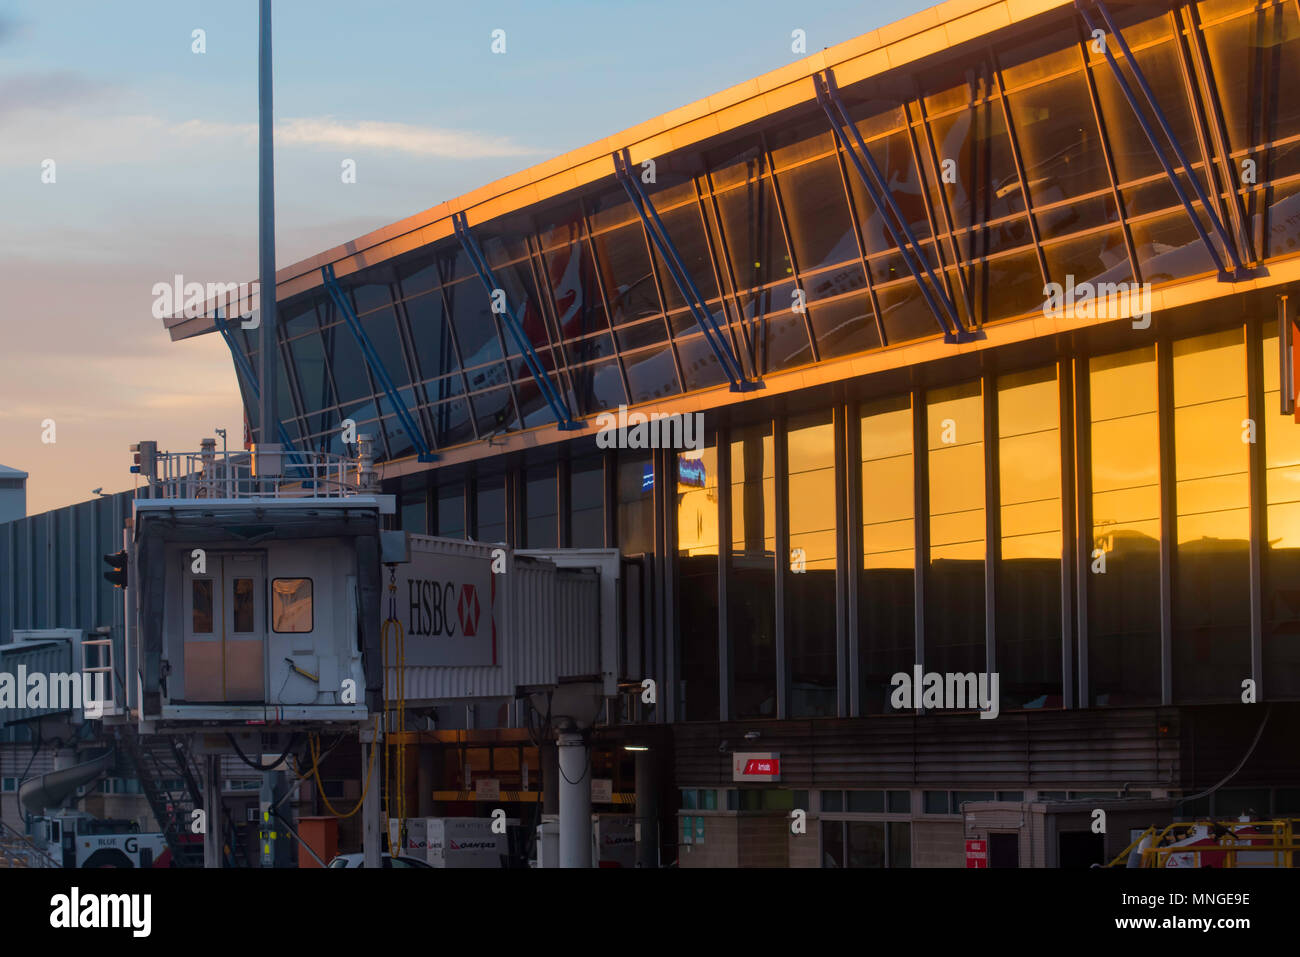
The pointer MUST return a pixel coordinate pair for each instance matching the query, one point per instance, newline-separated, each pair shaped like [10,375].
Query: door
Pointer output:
[225,628]
[1004,850]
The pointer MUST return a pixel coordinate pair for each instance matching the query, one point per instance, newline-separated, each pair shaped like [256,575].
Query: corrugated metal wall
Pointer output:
[1061,749]
[46,658]
[51,570]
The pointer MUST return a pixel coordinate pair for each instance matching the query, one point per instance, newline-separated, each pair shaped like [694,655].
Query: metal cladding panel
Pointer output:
[523,619]
[1056,749]
[577,595]
[47,658]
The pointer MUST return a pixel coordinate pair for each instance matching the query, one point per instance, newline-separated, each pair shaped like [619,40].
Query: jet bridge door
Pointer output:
[225,627]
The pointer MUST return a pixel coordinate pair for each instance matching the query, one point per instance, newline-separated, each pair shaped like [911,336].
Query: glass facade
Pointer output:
[1018,166]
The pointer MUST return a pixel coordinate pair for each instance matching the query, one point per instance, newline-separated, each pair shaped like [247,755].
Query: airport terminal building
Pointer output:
[979,327]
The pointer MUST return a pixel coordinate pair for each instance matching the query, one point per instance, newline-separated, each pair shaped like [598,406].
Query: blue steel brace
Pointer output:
[685,284]
[940,305]
[423,454]
[1239,271]
[245,369]
[563,417]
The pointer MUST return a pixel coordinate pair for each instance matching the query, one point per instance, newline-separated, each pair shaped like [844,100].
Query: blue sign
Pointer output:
[691,472]
[648,477]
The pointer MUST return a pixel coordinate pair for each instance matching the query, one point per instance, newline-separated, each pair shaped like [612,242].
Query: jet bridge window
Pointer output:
[202,624]
[291,609]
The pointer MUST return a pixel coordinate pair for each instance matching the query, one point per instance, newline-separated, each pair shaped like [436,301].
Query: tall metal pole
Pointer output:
[267,375]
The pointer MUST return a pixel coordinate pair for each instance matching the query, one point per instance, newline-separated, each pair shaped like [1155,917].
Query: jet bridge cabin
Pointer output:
[256,600]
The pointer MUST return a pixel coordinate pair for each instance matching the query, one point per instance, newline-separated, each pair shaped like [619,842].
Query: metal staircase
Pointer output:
[171,785]
[17,850]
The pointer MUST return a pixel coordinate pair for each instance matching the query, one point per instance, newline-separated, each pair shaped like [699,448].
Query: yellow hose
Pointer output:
[320,788]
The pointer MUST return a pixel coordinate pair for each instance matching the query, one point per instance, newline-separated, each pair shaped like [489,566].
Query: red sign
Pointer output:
[977,854]
[755,766]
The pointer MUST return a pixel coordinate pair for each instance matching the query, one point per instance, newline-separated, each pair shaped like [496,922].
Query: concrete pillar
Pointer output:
[647,809]
[425,775]
[212,834]
[371,808]
[575,800]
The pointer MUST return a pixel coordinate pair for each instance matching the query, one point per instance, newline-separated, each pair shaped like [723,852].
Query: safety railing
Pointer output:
[234,475]
[17,850]
[1237,844]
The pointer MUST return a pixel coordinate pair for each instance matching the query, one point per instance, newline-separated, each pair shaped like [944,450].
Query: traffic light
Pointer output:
[118,562]
[145,458]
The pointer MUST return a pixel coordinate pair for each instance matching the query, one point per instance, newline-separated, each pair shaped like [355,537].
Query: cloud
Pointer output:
[44,91]
[328,133]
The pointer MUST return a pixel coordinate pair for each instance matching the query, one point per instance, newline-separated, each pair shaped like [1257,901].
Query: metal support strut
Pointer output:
[376,364]
[847,133]
[1239,270]
[245,368]
[658,234]
[563,418]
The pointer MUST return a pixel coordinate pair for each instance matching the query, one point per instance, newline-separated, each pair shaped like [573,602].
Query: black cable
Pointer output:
[258,766]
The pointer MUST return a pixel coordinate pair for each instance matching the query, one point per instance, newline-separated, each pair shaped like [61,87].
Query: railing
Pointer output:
[17,850]
[230,475]
[1216,844]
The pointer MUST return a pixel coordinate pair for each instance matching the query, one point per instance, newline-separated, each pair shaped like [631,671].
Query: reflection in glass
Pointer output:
[491,510]
[291,605]
[541,528]
[810,584]
[587,503]
[954,586]
[1124,600]
[750,591]
[201,615]
[451,510]
[697,582]
[1211,653]
[636,504]
[886,607]
[1029,574]
[243,606]
[1282,533]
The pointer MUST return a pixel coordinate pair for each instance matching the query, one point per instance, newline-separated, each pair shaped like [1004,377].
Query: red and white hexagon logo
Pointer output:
[467,609]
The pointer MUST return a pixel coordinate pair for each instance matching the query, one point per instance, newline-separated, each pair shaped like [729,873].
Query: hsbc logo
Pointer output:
[438,610]
[467,610]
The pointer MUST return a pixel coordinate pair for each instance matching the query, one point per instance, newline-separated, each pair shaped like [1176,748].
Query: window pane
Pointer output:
[866,843]
[832,844]
[867,802]
[810,585]
[1029,582]
[936,802]
[697,563]
[900,802]
[451,511]
[291,605]
[413,512]
[587,504]
[954,619]
[1124,600]
[243,606]
[750,593]
[201,618]
[832,800]
[491,510]
[1212,567]
[900,844]
[636,511]
[541,528]
[1282,540]
[886,610]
